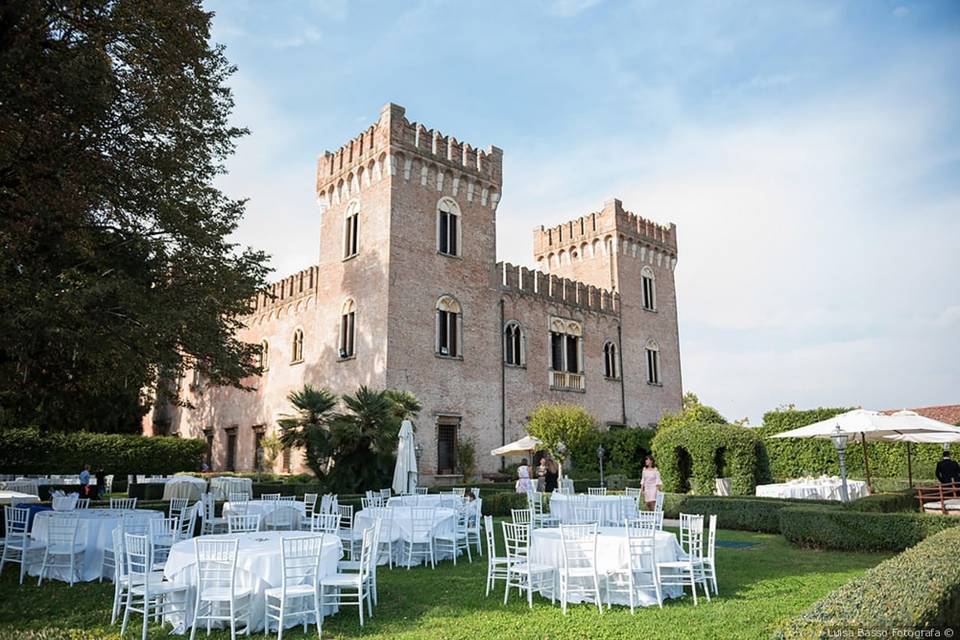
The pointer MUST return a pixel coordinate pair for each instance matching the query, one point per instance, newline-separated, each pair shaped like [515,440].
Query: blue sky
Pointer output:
[809,153]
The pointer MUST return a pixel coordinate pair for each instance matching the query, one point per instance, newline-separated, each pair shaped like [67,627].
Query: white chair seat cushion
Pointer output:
[157,587]
[523,567]
[349,565]
[340,580]
[222,594]
[155,577]
[29,544]
[419,539]
[676,564]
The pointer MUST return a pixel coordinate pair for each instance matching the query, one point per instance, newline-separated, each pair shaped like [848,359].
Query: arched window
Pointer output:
[448,227]
[297,351]
[264,355]
[351,230]
[653,362]
[565,338]
[611,366]
[347,330]
[649,288]
[513,344]
[448,327]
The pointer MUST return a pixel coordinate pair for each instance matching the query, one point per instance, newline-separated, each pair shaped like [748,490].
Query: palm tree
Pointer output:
[405,405]
[309,426]
[364,439]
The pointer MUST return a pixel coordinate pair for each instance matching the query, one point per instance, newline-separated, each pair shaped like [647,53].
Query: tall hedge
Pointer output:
[797,457]
[28,451]
[624,452]
[706,452]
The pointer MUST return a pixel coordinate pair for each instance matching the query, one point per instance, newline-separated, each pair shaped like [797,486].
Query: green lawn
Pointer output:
[759,586]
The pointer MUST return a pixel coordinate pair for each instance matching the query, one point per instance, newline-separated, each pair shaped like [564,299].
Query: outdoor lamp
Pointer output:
[418,451]
[600,453]
[839,438]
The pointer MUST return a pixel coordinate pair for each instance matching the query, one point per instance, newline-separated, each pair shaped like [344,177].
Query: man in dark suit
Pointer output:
[947,469]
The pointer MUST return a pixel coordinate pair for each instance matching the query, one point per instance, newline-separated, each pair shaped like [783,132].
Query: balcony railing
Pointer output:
[566,381]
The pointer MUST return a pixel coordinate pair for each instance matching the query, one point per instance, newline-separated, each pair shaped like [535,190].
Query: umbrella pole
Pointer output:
[866,462]
[909,465]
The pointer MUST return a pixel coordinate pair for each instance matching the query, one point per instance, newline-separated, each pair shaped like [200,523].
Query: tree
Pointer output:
[115,266]
[308,427]
[693,412]
[560,428]
[272,447]
[406,405]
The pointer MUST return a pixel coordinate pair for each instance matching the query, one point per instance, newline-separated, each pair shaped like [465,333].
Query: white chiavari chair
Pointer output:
[298,594]
[123,503]
[147,592]
[325,522]
[578,572]
[521,573]
[496,565]
[456,540]
[596,491]
[218,597]
[282,518]
[63,550]
[211,523]
[246,523]
[419,540]
[641,575]
[352,589]
[686,571]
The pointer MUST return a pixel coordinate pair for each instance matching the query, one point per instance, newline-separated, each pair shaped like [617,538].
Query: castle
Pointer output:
[408,294]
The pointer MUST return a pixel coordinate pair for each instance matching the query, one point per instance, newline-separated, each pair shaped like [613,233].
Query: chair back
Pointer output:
[301,560]
[62,531]
[516,540]
[177,505]
[238,499]
[659,503]
[290,498]
[325,522]
[421,522]
[244,523]
[16,523]
[310,503]
[370,503]
[491,541]
[345,512]
[188,522]
[216,564]
[83,503]
[521,516]
[691,534]
[597,491]
[711,537]
[139,552]
[269,496]
[645,521]
[123,503]
[422,491]
[209,506]
[475,491]
[386,494]
[460,491]
[161,528]
[579,545]
[633,492]
[30,487]
[586,515]
[119,554]
[641,543]
[368,543]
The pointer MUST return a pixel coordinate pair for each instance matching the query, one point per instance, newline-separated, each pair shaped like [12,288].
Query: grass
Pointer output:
[760,586]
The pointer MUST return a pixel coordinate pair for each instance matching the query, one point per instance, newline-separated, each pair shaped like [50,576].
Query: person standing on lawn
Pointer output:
[85,481]
[948,470]
[650,482]
[523,477]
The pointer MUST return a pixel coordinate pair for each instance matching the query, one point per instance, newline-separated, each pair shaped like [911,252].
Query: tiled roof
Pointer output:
[949,413]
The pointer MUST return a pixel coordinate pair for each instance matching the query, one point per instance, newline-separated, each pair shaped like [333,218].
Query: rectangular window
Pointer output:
[647,293]
[573,354]
[556,351]
[346,334]
[232,449]
[453,235]
[350,239]
[447,445]
[653,366]
[447,333]
[444,232]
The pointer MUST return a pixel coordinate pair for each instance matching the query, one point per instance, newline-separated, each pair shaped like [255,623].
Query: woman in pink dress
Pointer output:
[650,482]
[523,478]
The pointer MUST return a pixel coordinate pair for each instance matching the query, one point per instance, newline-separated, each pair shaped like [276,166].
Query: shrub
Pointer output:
[561,427]
[887,502]
[500,504]
[28,451]
[743,513]
[918,589]
[796,457]
[709,451]
[625,450]
[847,530]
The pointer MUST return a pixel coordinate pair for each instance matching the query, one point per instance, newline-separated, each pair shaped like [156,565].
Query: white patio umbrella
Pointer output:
[520,447]
[405,473]
[940,433]
[870,426]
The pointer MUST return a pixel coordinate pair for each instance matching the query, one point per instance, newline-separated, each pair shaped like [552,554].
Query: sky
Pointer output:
[809,153]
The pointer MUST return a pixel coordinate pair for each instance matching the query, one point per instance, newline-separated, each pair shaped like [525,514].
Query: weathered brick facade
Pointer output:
[394,176]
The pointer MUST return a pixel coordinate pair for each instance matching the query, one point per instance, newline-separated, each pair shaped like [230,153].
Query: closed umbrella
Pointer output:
[405,473]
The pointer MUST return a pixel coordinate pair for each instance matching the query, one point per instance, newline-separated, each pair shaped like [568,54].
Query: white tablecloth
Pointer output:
[263,508]
[259,566]
[813,490]
[613,554]
[95,531]
[15,497]
[222,486]
[612,508]
[187,487]
[429,500]
[444,523]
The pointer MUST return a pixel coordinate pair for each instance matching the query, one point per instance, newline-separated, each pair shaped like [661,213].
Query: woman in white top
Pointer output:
[523,477]
[650,482]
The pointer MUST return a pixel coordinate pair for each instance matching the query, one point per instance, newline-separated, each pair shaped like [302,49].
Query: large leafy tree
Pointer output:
[561,428]
[115,264]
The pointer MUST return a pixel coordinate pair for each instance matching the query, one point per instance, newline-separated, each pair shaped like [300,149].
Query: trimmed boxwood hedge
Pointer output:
[500,504]
[706,452]
[29,451]
[918,589]
[847,530]
[897,501]
[742,513]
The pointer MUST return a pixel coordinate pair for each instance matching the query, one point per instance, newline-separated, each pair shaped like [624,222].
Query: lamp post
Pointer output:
[600,453]
[840,442]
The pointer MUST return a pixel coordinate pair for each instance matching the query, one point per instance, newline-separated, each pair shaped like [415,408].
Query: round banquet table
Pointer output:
[15,497]
[259,567]
[428,500]
[263,508]
[613,555]
[612,508]
[222,486]
[187,487]
[444,523]
[95,532]
[818,489]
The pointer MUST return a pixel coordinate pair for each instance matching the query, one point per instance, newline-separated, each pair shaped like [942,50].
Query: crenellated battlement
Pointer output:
[394,146]
[610,230]
[549,288]
[293,287]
